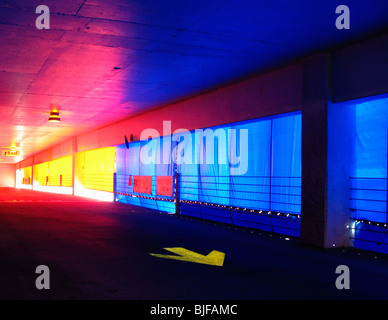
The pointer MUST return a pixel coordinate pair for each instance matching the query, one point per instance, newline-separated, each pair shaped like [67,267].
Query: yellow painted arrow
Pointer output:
[214,258]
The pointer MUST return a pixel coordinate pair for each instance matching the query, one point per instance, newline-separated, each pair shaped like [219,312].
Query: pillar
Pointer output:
[325,175]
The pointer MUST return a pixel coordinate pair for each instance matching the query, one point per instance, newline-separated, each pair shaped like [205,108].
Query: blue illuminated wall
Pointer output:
[369,183]
[251,165]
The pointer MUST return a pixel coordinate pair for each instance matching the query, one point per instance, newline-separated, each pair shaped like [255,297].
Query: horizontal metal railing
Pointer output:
[122,187]
[368,197]
[98,181]
[230,192]
[27,181]
[65,180]
[368,212]
[250,192]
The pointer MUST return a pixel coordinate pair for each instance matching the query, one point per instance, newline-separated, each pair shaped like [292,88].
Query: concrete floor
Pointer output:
[100,250]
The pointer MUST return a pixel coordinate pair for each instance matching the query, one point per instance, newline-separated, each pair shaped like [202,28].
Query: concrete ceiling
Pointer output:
[102,61]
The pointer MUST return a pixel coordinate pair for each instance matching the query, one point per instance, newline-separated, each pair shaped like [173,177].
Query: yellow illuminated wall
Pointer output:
[60,172]
[27,175]
[40,173]
[94,169]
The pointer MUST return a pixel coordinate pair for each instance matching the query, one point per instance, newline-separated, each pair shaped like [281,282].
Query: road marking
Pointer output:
[214,258]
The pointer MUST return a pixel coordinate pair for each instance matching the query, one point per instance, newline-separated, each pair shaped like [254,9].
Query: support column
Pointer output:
[340,160]
[33,173]
[75,149]
[326,154]
[314,149]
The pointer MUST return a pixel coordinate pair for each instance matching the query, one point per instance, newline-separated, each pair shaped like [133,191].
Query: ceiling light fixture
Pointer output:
[54,116]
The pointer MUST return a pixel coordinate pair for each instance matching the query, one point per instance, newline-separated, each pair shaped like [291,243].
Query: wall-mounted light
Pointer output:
[54,116]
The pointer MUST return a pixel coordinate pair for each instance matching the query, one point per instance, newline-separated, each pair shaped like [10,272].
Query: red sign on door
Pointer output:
[142,184]
[164,186]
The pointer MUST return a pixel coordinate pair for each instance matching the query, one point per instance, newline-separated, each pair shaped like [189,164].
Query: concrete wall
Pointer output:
[355,71]
[7,175]
[360,70]
[264,95]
